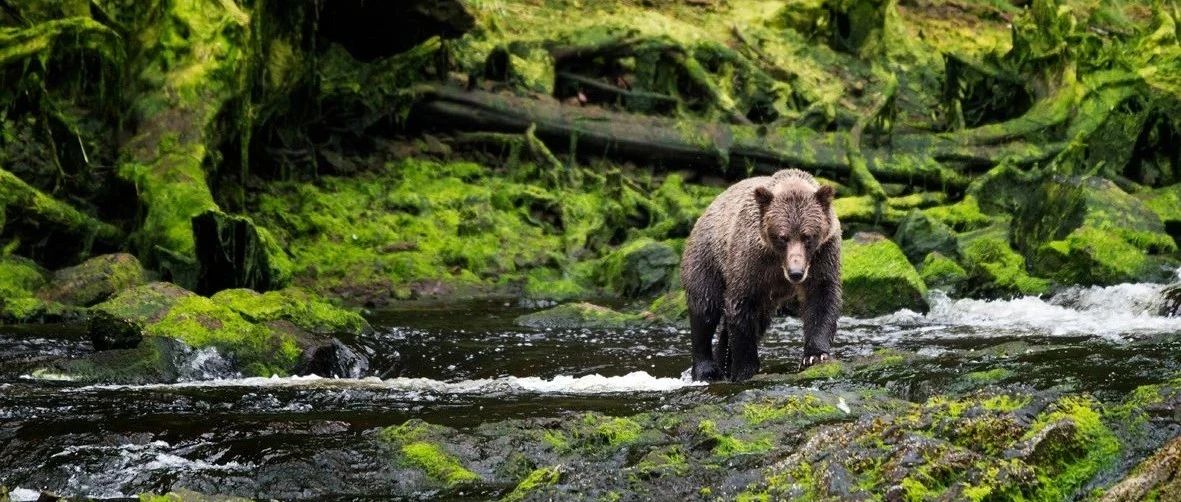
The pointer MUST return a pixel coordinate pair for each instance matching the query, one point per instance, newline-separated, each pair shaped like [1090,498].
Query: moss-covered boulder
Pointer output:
[20,279]
[669,309]
[580,315]
[641,267]
[1166,203]
[920,234]
[877,279]
[940,272]
[994,268]
[94,280]
[284,332]
[1085,230]
[294,305]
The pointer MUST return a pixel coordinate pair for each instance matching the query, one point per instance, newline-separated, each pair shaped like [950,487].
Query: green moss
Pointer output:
[200,322]
[666,461]
[989,376]
[669,308]
[962,216]
[642,267]
[94,280]
[292,304]
[939,271]
[19,277]
[823,371]
[437,464]
[1092,256]
[613,432]
[416,444]
[581,315]
[539,478]
[877,279]
[726,446]
[999,270]
[806,407]
[1065,468]
[551,284]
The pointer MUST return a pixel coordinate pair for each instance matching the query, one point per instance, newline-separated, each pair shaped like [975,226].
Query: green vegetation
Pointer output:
[877,279]
[536,480]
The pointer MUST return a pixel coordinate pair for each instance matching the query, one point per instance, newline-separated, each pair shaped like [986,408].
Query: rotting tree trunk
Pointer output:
[42,216]
[709,145]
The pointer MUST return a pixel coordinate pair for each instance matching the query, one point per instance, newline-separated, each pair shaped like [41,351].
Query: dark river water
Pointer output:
[462,365]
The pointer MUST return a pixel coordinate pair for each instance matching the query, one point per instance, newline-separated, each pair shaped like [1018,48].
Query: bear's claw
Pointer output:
[809,360]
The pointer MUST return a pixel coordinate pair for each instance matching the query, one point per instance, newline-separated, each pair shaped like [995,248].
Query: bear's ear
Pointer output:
[824,196]
[763,197]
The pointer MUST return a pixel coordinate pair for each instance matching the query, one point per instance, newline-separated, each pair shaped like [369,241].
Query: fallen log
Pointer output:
[910,158]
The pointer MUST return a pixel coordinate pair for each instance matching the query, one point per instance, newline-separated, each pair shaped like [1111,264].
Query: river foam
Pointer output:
[1117,313]
[638,381]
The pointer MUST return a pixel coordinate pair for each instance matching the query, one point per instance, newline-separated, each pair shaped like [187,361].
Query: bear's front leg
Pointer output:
[702,326]
[821,309]
[742,323]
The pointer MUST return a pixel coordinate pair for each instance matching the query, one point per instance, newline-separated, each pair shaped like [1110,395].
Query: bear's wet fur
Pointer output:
[761,242]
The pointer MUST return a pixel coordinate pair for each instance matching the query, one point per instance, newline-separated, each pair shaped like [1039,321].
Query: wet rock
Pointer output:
[877,278]
[93,280]
[639,268]
[920,234]
[1085,230]
[1171,301]
[1157,475]
[332,359]
[580,315]
[295,305]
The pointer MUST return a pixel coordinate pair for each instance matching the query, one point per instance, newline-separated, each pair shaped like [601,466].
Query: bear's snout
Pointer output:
[795,269]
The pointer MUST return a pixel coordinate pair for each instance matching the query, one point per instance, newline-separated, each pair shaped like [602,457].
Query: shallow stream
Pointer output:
[463,365]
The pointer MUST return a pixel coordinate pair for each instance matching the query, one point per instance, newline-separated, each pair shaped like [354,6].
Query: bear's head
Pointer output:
[796,221]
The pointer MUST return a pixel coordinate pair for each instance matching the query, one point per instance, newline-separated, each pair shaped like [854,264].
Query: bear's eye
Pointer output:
[782,240]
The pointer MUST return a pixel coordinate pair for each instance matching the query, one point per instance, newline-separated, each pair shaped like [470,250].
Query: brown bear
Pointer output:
[762,241]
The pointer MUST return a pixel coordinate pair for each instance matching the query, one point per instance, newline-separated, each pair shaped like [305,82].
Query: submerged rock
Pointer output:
[580,315]
[877,279]
[94,280]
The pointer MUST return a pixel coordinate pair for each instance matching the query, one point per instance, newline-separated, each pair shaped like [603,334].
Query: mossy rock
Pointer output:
[419,445]
[278,334]
[877,279]
[118,322]
[20,277]
[640,268]
[920,234]
[939,271]
[295,305]
[35,310]
[670,308]
[182,495]
[94,280]
[581,315]
[1086,230]
[994,268]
